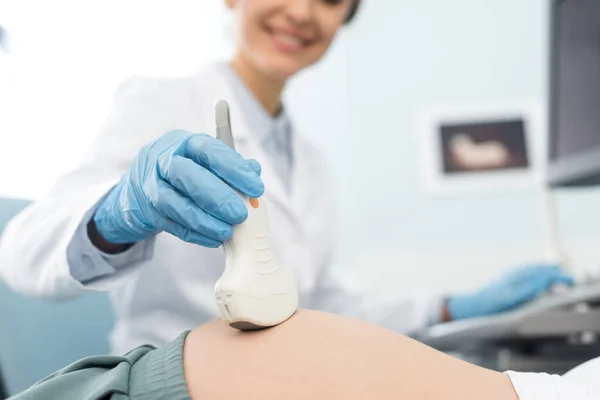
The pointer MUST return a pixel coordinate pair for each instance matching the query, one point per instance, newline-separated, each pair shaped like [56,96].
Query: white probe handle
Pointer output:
[255,291]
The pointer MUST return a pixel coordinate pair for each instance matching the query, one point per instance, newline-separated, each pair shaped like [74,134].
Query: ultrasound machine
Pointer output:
[560,329]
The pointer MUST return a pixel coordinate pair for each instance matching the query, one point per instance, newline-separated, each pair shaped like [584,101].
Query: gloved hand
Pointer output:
[180,183]
[514,289]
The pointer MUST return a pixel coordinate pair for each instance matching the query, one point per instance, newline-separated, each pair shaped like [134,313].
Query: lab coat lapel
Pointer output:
[275,189]
[297,201]
[248,146]
[302,177]
[294,205]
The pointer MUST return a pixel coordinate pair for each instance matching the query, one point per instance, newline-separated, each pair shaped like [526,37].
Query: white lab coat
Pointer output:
[170,288]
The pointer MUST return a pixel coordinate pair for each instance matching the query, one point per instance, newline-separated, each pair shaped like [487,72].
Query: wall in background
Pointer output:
[404,57]
[360,105]
[67,60]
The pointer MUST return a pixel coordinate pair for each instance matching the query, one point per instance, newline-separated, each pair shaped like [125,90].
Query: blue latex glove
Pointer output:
[182,184]
[514,289]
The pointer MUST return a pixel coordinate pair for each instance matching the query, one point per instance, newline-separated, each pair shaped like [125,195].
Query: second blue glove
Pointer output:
[514,289]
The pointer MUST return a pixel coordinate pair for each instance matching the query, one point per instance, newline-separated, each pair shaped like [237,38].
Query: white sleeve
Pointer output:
[534,386]
[87,264]
[33,249]
[404,313]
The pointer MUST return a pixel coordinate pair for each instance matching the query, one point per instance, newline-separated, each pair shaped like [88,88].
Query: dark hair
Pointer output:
[353,10]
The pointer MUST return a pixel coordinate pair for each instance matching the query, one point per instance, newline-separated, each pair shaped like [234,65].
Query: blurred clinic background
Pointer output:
[396,62]
[399,69]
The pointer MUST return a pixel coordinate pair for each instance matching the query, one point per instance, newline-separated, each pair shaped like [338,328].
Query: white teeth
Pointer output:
[289,39]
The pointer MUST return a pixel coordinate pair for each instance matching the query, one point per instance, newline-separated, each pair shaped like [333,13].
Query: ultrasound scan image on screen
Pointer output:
[576,104]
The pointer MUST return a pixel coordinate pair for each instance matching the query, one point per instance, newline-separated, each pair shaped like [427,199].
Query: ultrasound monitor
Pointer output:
[574,145]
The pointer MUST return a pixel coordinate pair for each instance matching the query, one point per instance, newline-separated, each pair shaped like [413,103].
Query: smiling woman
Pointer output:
[187,207]
[156,191]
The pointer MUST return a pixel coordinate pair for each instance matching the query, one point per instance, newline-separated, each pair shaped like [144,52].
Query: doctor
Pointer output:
[143,216]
